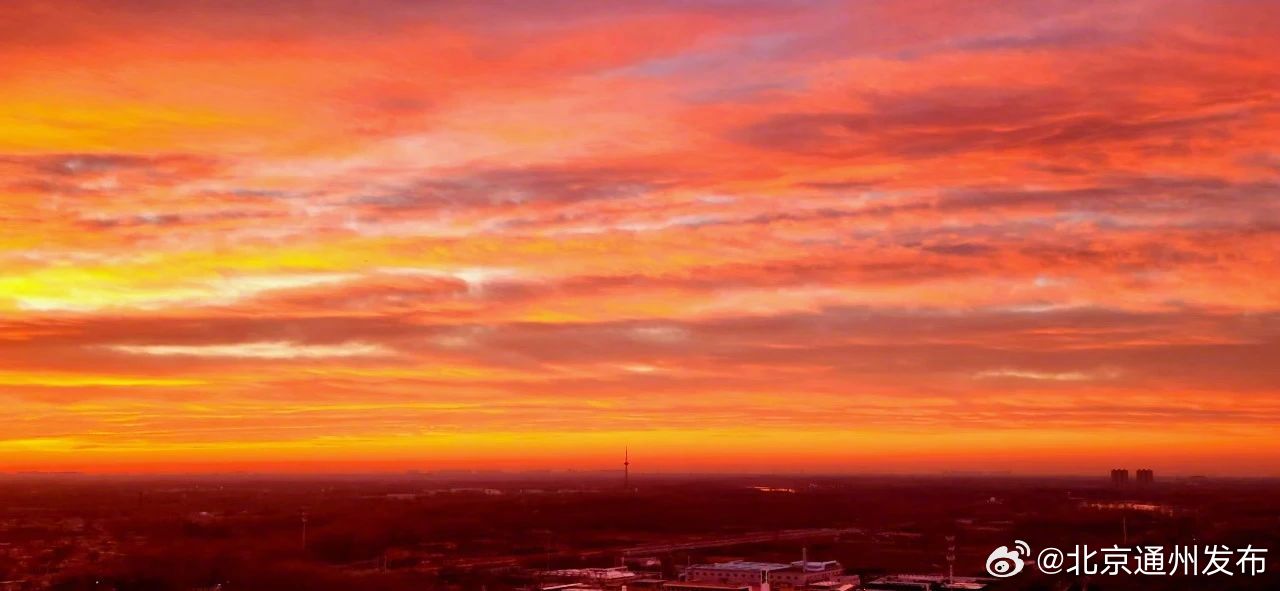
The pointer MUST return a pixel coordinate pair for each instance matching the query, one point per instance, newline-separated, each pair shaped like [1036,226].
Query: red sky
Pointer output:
[1035,236]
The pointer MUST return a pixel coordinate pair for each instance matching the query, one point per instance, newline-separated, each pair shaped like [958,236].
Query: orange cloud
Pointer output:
[396,235]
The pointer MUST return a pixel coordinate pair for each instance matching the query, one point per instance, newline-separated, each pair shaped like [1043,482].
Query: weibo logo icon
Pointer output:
[1004,562]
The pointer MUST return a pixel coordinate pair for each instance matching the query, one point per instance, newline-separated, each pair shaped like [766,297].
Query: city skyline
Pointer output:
[1038,238]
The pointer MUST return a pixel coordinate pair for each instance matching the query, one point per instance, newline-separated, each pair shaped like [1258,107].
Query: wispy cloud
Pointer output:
[1056,376]
[258,350]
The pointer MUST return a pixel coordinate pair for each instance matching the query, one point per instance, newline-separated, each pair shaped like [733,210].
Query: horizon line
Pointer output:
[1002,474]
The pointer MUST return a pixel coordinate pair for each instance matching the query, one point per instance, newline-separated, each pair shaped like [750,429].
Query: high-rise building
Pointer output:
[1145,477]
[1120,477]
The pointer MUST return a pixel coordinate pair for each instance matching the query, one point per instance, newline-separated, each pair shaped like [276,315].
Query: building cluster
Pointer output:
[733,575]
[746,575]
[48,549]
[1143,477]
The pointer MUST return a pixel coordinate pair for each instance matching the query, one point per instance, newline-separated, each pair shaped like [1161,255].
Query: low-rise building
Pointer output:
[795,575]
[804,573]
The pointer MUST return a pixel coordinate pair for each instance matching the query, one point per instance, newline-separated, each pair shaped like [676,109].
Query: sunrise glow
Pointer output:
[791,236]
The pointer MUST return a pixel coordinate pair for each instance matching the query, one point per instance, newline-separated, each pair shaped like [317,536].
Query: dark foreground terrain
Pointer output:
[495,531]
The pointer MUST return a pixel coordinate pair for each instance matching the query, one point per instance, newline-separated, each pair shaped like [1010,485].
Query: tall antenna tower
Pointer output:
[626,468]
[951,560]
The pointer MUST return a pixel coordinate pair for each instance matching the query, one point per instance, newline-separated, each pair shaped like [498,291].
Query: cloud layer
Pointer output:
[399,235]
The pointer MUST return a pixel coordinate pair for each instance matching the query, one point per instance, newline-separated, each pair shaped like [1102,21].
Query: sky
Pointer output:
[806,236]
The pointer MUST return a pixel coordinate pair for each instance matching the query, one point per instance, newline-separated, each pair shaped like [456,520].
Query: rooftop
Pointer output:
[745,565]
[704,585]
[816,565]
